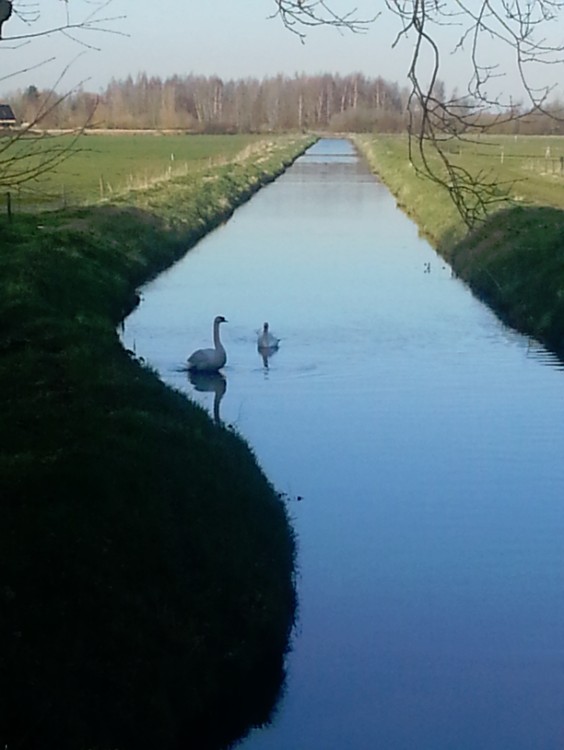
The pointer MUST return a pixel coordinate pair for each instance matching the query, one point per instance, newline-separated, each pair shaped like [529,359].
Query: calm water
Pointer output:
[426,441]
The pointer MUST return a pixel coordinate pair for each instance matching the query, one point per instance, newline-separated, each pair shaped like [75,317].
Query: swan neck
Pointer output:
[216,340]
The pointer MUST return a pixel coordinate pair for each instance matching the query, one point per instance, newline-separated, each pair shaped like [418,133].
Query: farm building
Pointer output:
[7,117]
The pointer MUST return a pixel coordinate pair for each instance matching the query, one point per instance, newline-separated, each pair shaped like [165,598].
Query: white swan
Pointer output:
[210,360]
[266,340]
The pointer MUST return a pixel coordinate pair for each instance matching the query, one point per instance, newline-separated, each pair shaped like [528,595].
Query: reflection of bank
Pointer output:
[266,352]
[211,382]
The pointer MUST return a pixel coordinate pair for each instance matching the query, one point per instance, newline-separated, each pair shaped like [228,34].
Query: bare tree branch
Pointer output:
[296,14]
[507,24]
[31,15]
[28,153]
[521,27]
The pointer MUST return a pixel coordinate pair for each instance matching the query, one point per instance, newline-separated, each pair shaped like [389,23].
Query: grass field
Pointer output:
[531,167]
[101,166]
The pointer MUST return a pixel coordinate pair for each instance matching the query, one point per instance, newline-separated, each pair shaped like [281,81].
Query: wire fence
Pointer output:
[30,199]
[15,202]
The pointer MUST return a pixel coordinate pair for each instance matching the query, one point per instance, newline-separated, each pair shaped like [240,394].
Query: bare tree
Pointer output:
[74,19]
[24,153]
[531,32]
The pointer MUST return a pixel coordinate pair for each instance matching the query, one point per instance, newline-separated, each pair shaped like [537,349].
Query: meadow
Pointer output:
[531,168]
[98,166]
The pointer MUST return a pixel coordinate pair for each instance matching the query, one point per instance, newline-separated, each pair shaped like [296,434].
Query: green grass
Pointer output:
[528,166]
[101,166]
[147,586]
[514,260]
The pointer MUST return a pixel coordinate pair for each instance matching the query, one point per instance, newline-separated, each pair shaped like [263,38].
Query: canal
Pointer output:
[420,445]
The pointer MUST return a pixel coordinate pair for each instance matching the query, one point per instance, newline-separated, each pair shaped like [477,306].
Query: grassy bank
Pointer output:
[514,261]
[146,590]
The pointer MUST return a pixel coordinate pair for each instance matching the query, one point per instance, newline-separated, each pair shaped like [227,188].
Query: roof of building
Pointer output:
[7,113]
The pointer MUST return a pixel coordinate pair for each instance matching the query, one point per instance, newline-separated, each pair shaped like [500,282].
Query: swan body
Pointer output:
[266,340]
[210,360]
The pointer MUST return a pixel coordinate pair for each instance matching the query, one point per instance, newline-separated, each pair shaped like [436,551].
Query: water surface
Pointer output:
[420,444]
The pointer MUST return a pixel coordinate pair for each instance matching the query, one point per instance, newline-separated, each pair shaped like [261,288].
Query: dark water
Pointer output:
[427,443]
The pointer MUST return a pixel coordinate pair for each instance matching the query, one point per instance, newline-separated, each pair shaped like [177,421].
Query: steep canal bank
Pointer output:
[147,563]
[514,261]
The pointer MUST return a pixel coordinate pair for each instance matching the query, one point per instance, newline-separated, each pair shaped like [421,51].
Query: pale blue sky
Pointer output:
[230,38]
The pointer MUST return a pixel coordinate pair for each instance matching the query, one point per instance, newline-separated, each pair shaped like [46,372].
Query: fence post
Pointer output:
[9,205]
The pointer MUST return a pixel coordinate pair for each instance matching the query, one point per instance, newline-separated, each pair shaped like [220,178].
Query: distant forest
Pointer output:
[200,104]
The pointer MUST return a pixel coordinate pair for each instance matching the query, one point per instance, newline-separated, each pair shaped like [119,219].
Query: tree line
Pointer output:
[208,104]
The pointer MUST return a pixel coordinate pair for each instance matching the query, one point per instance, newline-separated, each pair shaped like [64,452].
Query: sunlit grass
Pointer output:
[99,167]
[528,169]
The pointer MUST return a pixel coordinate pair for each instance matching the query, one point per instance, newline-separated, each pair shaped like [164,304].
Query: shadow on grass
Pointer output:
[147,564]
[514,262]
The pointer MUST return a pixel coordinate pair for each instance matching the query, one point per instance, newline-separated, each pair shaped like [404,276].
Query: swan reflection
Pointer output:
[210,382]
[266,352]
[267,344]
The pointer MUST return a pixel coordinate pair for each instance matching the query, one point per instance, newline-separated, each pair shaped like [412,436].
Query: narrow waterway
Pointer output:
[421,447]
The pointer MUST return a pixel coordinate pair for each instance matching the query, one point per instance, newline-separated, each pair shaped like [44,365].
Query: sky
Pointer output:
[229,38]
